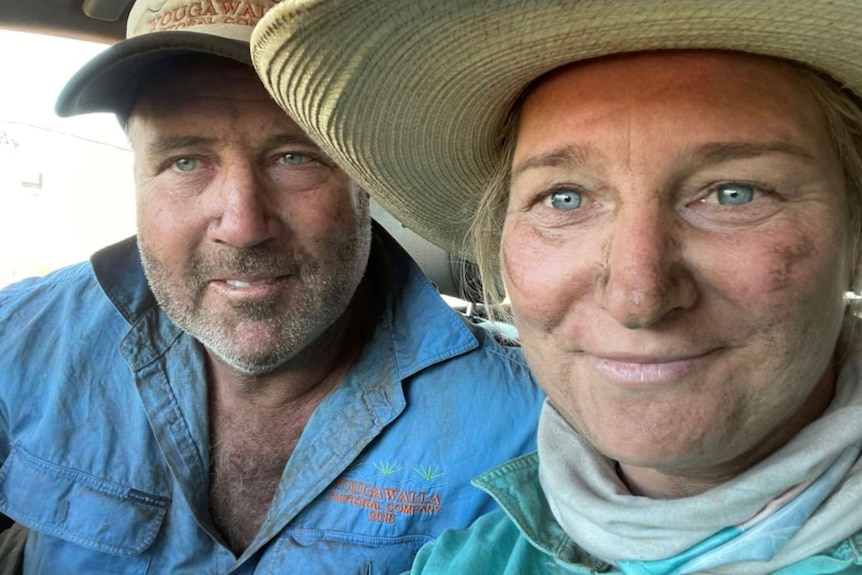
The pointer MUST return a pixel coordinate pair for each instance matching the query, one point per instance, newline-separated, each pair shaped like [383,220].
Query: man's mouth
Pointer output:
[244,284]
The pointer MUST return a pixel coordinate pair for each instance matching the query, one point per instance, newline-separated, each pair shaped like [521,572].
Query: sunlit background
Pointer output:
[65,183]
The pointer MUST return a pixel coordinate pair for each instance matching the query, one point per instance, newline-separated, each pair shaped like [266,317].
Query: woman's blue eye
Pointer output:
[186,164]
[564,200]
[734,194]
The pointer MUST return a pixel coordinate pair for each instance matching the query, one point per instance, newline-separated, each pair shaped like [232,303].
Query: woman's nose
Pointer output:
[643,276]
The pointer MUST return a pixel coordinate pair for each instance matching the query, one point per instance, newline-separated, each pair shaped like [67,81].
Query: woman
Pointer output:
[673,191]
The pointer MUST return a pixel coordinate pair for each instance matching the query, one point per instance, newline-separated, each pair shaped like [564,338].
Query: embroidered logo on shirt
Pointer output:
[392,490]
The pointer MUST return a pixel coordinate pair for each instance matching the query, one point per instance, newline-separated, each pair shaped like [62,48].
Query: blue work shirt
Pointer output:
[104,431]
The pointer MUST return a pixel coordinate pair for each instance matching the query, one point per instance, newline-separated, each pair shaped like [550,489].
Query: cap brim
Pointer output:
[110,82]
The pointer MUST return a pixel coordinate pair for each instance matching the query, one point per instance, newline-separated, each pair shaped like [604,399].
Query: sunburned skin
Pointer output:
[252,240]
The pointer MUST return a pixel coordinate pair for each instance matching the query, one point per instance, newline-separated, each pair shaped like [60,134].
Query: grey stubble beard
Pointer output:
[322,294]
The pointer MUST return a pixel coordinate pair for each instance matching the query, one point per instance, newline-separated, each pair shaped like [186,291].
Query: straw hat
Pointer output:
[410,95]
[157,30]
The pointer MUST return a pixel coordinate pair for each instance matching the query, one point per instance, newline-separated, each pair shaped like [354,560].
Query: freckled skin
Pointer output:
[651,268]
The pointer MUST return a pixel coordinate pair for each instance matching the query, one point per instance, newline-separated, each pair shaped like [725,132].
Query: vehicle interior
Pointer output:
[95,20]
[103,21]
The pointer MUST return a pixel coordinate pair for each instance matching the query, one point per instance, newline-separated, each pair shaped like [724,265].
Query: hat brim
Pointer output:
[411,96]
[111,81]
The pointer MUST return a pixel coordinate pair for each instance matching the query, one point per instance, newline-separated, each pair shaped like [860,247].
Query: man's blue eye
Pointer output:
[292,159]
[734,194]
[564,200]
[186,164]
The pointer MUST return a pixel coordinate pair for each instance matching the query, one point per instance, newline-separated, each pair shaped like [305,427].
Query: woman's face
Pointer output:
[675,250]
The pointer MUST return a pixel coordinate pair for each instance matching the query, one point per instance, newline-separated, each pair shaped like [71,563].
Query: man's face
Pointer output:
[675,250]
[251,239]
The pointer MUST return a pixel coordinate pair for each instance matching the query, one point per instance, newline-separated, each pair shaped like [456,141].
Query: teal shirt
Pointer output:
[524,537]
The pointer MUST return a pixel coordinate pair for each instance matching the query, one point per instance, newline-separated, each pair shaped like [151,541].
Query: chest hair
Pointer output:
[247,461]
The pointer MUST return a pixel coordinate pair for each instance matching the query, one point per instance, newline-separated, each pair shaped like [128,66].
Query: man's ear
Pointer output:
[356,188]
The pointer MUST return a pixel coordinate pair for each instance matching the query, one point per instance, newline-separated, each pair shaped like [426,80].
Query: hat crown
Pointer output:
[234,19]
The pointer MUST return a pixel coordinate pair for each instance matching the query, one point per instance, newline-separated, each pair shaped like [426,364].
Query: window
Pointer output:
[66,185]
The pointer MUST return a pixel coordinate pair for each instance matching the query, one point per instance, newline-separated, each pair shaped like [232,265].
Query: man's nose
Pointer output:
[643,277]
[244,212]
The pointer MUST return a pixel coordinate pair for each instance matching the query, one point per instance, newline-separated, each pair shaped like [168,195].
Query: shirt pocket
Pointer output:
[340,553]
[77,507]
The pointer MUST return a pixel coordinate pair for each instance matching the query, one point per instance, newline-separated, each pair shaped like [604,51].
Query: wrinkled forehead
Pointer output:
[723,95]
[662,73]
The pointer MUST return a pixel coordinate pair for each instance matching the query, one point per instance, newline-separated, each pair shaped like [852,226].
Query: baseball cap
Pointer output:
[156,31]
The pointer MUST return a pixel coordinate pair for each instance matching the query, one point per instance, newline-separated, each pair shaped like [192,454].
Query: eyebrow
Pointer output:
[725,152]
[713,153]
[573,154]
[166,144]
[288,139]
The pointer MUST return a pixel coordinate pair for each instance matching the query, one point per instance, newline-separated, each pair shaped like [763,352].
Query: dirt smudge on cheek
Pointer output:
[603,271]
[788,257]
[533,304]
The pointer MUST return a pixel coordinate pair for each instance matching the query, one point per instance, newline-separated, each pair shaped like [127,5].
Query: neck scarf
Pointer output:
[802,499]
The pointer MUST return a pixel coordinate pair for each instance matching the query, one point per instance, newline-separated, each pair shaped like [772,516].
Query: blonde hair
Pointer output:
[841,110]
[487,225]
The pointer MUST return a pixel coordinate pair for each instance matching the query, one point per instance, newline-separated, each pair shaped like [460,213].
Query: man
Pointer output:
[261,382]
